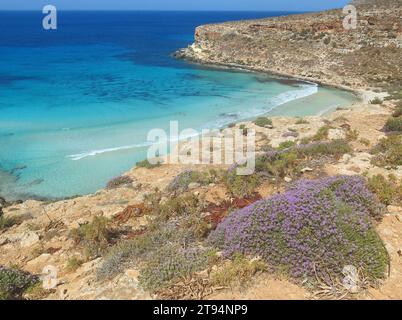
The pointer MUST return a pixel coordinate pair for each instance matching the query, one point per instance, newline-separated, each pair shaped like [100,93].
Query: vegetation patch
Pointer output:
[182,181]
[334,148]
[148,165]
[263,122]
[393,124]
[119,182]
[315,228]
[286,145]
[321,135]
[173,207]
[376,100]
[94,236]
[237,272]
[169,249]
[388,152]
[285,160]
[172,263]
[15,282]
[73,264]
[385,190]
[240,186]
[398,110]
[6,222]
[302,121]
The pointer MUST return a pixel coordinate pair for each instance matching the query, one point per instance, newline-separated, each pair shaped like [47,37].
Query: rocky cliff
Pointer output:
[314,46]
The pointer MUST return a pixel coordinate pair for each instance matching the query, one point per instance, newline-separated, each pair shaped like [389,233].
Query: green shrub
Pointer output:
[281,165]
[284,162]
[94,236]
[241,186]
[388,152]
[73,264]
[398,110]
[321,135]
[128,254]
[238,271]
[302,121]
[286,145]
[119,182]
[7,222]
[394,125]
[382,188]
[171,263]
[376,101]
[244,129]
[186,204]
[352,135]
[183,180]
[333,148]
[15,282]
[146,164]
[365,142]
[184,230]
[263,122]
[395,95]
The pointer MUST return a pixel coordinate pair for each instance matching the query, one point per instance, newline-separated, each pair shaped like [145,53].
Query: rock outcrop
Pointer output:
[314,46]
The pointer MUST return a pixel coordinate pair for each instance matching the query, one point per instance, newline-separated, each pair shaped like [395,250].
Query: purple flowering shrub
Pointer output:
[317,226]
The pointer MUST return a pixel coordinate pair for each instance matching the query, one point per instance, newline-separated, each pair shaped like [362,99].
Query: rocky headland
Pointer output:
[153,232]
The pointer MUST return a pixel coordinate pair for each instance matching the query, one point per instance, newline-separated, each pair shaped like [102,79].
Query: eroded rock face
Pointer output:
[310,46]
[376,2]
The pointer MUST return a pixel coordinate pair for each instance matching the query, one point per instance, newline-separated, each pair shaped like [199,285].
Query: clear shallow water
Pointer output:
[76,104]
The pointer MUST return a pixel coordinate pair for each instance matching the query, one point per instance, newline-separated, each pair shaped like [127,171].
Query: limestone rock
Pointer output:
[194,185]
[394,209]
[28,239]
[336,134]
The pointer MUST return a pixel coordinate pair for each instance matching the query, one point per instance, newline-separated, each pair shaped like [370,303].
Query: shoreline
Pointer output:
[358,92]
[321,114]
[273,74]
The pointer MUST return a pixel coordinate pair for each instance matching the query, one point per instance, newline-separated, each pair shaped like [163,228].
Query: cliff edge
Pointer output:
[314,46]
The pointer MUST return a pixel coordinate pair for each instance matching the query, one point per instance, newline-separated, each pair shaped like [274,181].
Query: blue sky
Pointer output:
[257,5]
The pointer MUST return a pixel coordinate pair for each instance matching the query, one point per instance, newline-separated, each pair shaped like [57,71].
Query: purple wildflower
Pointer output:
[317,225]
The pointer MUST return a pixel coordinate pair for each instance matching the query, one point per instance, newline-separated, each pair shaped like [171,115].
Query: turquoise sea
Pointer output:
[76,103]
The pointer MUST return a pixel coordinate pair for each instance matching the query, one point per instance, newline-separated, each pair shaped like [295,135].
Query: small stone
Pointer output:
[346,158]
[194,185]
[307,169]
[132,274]
[205,215]
[196,193]
[29,238]
[336,134]
[351,279]
[3,241]
[394,209]
[287,179]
